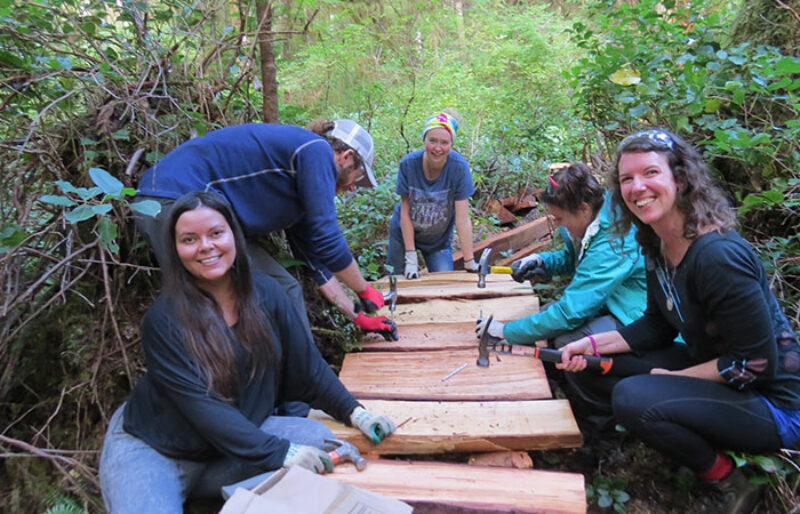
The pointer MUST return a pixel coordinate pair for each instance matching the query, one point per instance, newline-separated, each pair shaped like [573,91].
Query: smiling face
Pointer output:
[648,187]
[575,222]
[205,245]
[438,144]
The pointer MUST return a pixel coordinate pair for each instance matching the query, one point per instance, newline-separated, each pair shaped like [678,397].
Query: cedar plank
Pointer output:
[512,239]
[418,376]
[426,336]
[435,427]
[458,311]
[440,487]
[419,292]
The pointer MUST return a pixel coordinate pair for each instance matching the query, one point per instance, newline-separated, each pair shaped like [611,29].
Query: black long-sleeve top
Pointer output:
[172,410]
[718,298]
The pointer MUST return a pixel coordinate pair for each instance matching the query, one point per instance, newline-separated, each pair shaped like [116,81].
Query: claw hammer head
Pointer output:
[391,296]
[342,451]
[483,267]
[483,345]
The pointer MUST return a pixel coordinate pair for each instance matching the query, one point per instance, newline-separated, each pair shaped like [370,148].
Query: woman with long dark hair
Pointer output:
[223,347]
[735,384]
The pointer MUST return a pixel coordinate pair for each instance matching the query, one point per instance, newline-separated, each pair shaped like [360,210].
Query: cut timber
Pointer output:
[438,278]
[420,292]
[444,487]
[512,240]
[538,246]
[456,311]
[467,427]
[525,200]
[418,376]
[426,337]
[503,215]
[517,460]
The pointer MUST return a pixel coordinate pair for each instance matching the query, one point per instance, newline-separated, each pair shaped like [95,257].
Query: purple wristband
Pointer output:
[594,345]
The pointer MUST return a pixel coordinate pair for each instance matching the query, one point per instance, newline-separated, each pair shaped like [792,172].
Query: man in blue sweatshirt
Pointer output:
[279,177]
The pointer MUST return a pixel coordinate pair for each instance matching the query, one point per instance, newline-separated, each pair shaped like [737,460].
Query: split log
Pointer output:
[428,428]
[450,488]
[416,292]
[525,200]
[513,239]
[437,278]
[516,460]
[455,311]
[418,376]
[425,337]
[504,216]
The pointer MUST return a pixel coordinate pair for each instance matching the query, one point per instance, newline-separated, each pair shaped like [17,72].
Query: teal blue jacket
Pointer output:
[605,277]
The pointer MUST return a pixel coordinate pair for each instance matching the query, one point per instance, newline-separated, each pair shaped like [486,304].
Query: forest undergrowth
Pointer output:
[94,92]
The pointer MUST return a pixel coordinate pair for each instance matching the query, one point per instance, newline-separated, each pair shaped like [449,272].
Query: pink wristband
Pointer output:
[594,345]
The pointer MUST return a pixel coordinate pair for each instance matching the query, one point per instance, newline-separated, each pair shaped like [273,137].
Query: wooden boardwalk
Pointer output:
[506,407]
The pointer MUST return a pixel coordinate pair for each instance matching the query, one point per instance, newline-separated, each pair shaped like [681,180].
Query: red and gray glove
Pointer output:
[377,324]
[371,299]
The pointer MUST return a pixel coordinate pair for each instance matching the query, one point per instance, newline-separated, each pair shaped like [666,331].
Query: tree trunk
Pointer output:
[459,6]
[269,72]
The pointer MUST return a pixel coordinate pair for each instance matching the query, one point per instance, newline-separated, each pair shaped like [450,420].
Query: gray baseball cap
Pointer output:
[357,138]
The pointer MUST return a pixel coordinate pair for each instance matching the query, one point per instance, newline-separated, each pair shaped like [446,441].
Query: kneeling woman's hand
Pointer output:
[375,427]
[308,457]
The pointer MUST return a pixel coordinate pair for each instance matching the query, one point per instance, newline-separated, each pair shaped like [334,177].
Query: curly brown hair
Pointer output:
[698,198]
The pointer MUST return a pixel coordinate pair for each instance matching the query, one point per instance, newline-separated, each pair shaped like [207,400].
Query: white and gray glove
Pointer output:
[375,427]
[525,268]
[308,457]
[471,266]
[412,266]
[495,328]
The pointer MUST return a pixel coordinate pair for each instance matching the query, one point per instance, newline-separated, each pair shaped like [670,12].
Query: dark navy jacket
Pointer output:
[172,410]
[276,177]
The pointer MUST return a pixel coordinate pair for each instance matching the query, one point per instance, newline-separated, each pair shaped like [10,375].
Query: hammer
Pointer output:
[391,296]
[484,268]
[485,341]
[342,451]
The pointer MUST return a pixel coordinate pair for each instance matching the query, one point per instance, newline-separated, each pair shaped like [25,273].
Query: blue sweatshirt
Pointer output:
[276,177]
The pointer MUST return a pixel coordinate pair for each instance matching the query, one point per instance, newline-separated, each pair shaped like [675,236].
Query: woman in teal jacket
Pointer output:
[608,288]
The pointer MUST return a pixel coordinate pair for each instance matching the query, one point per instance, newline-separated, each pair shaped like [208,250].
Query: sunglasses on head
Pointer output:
[657,136]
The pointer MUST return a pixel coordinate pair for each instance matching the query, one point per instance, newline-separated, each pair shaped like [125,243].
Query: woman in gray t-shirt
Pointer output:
[434,185]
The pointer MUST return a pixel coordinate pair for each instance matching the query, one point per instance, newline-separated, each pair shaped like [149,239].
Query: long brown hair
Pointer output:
[697,197]
[203,330]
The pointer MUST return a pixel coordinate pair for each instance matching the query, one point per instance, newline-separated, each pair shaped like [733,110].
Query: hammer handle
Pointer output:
[359,461]
[604,364]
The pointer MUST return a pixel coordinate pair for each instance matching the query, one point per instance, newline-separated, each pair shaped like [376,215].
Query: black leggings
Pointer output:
[691,419]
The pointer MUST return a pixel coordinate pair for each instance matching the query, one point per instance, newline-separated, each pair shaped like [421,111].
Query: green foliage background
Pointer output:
[112,86]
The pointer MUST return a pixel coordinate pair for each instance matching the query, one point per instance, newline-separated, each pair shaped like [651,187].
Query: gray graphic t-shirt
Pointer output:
[432,202]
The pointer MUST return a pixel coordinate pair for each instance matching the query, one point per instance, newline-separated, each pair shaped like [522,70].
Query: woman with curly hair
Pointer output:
[735,384]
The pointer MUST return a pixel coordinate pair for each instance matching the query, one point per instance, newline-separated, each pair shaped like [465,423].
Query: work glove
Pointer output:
[371,299]
[527,267]
[377,324]
[495,328]
[412,266]
[471,266]
[375,427]
[308,457]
